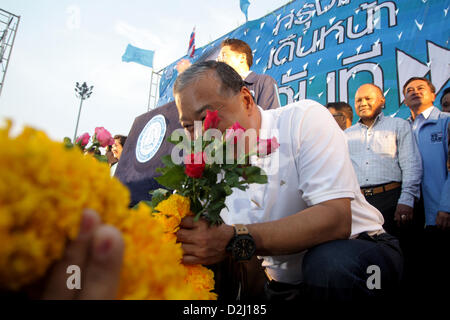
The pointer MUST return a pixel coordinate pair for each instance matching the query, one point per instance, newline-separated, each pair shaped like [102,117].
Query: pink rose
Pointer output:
[236,131]
[103,137]
[83,140]
[267,146]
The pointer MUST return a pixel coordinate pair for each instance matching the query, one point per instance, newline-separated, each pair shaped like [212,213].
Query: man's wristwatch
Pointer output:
[242,246]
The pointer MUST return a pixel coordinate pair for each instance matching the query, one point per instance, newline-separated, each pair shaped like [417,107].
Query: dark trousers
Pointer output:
[409,235]
[386,203]
[430,278]
[346,270]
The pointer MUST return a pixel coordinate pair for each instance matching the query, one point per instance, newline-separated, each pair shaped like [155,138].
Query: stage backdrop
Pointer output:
[325,49]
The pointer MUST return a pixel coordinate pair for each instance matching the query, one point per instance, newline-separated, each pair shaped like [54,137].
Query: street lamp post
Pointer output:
[83,92]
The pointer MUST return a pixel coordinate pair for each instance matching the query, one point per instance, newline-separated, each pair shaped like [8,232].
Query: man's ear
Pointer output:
[247,98]
[383,101]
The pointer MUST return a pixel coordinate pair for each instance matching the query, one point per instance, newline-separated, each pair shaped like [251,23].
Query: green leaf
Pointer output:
[227,190]
[252,170]
[172,178]
[257,179]
[158,195]
[232,178]
[101,158]
[167,161]
[148,203]
[68,143]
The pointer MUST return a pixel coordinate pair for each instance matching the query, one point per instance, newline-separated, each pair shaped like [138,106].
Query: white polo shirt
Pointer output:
[312,165]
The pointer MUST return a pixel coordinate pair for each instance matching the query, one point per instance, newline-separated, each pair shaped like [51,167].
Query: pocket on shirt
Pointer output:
[385,144]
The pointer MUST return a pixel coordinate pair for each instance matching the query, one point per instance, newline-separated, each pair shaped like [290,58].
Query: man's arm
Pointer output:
[268,97]
[317,143]
[330,220]
[410,163]
[443,215]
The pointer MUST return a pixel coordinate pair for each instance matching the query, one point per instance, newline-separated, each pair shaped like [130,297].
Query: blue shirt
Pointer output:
[432,139]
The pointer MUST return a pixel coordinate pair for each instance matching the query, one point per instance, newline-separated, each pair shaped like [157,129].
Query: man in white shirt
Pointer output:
[310,223]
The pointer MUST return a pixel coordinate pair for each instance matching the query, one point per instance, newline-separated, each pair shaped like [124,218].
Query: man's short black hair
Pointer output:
[343,107]
[240,46]
[430,85]
[231,81]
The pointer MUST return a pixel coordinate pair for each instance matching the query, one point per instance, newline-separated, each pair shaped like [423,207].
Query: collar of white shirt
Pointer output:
[427,112]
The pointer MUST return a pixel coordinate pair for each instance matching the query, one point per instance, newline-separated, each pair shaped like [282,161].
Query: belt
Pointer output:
[387,187]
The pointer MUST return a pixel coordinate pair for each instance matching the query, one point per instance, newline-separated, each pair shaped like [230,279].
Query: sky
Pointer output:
[61,42]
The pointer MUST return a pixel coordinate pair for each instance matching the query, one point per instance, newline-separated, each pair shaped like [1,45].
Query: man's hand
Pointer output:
[403,214]
[201,243]
[98,251]
[443,220]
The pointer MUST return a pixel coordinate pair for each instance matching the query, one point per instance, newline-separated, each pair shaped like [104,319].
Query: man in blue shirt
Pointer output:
[430,127]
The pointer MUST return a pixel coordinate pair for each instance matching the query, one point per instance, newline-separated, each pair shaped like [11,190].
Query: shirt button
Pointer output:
[367,163]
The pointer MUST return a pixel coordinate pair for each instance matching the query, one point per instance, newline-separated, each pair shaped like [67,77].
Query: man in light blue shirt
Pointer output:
[430,127]
[386,159]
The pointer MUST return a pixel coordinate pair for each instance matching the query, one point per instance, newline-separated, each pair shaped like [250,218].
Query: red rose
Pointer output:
[236,131]
[211,120]
[195,164]
[103,137]
[83,139]
[267,146]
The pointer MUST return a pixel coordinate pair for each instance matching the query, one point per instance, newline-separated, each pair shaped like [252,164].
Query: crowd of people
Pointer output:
[354,211]
[402,168]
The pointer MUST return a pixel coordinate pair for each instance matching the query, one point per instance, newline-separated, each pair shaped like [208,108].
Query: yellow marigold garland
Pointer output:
[43,190]
[170,212]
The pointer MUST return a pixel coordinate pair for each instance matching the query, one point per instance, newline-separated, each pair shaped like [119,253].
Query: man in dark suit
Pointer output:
[238,54]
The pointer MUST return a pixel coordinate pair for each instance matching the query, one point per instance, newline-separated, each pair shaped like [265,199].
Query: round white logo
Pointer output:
[151,138]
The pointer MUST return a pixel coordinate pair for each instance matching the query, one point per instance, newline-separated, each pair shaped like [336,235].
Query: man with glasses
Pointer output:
[342,113]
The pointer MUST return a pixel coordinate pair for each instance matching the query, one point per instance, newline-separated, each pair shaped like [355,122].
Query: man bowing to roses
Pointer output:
[310,224]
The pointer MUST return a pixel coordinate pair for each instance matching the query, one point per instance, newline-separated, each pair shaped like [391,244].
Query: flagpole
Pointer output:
[150,92]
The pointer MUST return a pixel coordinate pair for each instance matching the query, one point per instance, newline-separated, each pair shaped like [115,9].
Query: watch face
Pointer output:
[243,248]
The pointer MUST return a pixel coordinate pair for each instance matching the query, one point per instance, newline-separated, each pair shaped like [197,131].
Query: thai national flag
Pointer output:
[191,49]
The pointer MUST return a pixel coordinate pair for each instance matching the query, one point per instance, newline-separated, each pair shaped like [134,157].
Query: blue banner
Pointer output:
[325,49]
[141,56]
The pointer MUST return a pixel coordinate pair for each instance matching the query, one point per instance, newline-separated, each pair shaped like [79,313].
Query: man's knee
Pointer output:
[351,269]
[327,265]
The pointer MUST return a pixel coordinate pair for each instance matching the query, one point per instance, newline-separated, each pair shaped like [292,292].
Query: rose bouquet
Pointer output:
[215,163]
